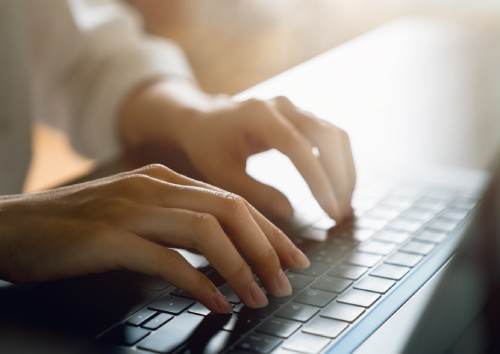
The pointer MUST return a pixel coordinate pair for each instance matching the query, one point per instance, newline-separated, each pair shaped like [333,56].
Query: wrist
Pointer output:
[160,112]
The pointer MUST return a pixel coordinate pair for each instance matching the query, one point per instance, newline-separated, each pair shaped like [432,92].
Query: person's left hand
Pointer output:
[219,143]
[221,133]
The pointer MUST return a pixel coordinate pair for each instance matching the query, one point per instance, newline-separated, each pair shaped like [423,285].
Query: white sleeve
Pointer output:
[88,55]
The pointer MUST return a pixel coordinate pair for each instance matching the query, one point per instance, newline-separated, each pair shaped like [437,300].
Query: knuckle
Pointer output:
[236,204]
[206,224]
[270,259]
[168,259]
[158,167]
[239,274]
[283,101]
[154,167]
[136,180]
[256,106]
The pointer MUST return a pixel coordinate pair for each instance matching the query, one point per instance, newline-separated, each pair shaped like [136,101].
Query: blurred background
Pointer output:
[235,44]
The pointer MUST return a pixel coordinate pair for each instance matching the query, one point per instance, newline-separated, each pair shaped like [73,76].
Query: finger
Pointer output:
[290,256]
[165,174]
[134,253]
[202,232]
[266,198]
[334,149]
[281,134]
[234,216]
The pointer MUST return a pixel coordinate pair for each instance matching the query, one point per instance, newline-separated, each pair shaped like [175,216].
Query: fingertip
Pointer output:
[257,297]
[220,304]
[300,260]
[331,206]
[282,209]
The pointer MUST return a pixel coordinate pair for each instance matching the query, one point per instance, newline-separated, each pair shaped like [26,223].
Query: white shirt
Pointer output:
[71,63]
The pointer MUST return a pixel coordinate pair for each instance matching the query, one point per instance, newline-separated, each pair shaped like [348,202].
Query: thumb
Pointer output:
[265,198]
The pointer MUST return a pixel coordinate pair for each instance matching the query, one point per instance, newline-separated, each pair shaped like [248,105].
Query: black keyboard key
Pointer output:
[124,335]
[299,281]
[325,327]
[229,294]
[376,247]
[297,312]
[466,203]
[419,214]
[141,316]
[327,255]
[280,299]
[454,213]
[259,313]
[258,343]
[157,321]
[314,297]
[171,304]
[361,235]
[444,225]
[331,284]
[173,334]
[348,271]
[199,309]
[359,298]
[428,235]
[316,269]
[406,225]
[374,284]
[369,222]
[362,259]
[393,236]
[278,327]
[181,293]
[306,343]
[214,345]
[418,247]
[238,308]
[343,312]
[404,259]
[390,271]
[241,325]
[398,202]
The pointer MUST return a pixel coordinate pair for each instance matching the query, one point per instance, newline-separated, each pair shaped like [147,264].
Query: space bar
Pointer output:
[172,334]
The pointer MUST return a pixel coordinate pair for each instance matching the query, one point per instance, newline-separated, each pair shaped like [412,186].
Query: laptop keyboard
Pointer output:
[353,267]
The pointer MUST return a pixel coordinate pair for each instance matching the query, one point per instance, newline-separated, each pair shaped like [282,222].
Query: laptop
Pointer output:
[390,276]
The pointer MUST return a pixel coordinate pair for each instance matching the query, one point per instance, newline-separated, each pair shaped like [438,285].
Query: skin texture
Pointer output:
[218,134]
[132,220]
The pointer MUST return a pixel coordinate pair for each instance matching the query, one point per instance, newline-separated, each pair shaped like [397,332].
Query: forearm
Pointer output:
[161,111]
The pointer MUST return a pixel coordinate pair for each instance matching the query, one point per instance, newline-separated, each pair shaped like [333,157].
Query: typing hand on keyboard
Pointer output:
[130,220]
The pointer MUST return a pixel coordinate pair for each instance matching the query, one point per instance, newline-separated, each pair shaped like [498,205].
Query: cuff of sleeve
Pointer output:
[95,133]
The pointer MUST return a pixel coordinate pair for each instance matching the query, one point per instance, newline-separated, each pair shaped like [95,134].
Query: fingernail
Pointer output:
[284,288]
[300,260]
[258,297]
[221,304]
[282,209]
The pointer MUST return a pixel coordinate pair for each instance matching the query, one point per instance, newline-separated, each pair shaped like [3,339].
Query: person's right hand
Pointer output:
[130,221]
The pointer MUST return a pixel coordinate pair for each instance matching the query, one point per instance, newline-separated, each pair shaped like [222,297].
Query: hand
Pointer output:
[218,134]
[129,221]
[220,141]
